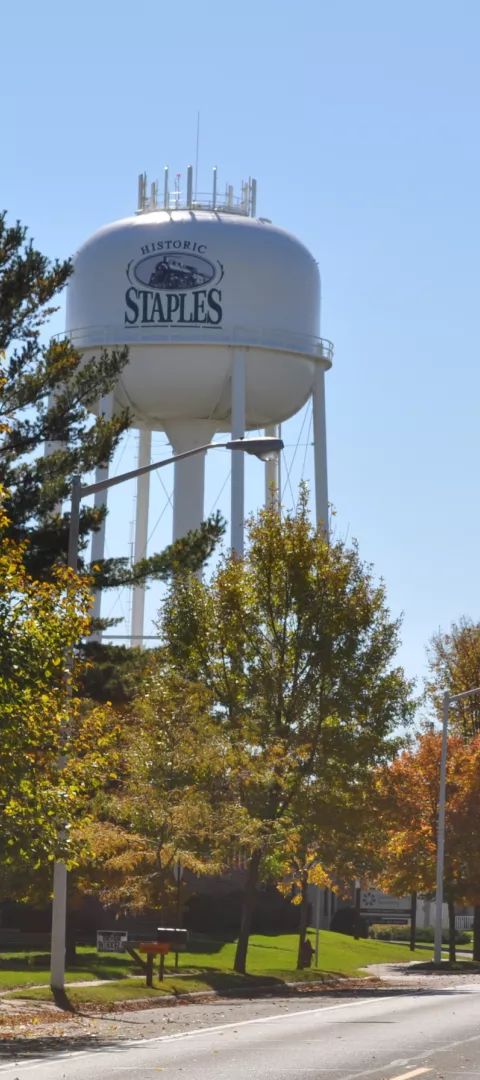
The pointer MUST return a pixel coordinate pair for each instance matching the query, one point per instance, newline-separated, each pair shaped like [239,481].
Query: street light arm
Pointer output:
[465,693]
[260,446]
[102,485]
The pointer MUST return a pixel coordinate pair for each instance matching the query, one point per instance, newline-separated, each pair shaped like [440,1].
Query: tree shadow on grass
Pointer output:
[197,944]
[88,964]
[25,962]
[231,983]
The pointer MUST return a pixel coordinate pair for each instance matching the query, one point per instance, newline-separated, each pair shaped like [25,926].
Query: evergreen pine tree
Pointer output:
[47,393]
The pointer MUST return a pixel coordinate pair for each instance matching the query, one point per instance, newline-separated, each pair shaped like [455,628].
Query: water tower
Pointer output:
[220,310]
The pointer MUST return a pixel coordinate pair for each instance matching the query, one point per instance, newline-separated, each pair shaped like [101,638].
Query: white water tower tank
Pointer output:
[220,311]
[182,288]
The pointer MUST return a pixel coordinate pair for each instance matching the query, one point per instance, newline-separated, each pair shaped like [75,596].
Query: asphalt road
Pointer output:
[434,1035]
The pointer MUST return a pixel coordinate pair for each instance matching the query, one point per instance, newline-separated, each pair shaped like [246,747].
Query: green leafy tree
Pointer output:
[113,673]
[454,665]
[296,647]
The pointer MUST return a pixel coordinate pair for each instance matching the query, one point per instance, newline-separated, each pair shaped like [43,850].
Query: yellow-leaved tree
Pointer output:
[55,748]
[170,804]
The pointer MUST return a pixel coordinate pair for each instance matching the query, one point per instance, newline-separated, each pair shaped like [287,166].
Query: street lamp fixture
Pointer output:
[448,700]
[263,447]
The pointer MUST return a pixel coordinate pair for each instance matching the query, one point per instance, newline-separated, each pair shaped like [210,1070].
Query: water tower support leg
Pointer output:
[189,475]
[320,448]
[238,458]
[188,497]
[272,471]
[141,533]
[51,447]
[100,499]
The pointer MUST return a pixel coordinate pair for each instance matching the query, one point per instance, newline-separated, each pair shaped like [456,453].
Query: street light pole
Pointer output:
[318,894]
[59,900]
[437,952]
[447,700]
[262,447]
[178,874]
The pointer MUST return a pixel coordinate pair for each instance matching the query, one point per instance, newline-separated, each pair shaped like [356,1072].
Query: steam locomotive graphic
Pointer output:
[172,272]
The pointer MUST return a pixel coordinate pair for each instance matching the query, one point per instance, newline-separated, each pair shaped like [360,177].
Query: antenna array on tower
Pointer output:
[229,203]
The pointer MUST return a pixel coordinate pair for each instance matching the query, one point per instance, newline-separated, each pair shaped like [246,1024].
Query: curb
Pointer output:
[365,986]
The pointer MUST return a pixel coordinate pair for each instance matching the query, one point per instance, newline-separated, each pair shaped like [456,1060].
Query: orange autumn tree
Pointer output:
[463,808]
[454,665]
[407,807]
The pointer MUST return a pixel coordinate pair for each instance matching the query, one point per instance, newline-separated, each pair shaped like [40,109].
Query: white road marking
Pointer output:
[399,1061]
[414,1072]
[128,1043]
[276,1016]
[122,1044]
[257,1020]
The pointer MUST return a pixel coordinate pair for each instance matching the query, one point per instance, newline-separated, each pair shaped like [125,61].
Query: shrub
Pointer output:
[392,932]
[343,922]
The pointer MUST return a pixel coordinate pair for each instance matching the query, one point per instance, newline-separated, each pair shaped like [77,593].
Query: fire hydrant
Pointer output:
[307,953]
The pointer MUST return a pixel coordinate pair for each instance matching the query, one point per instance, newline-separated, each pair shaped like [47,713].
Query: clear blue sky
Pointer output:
[360,120]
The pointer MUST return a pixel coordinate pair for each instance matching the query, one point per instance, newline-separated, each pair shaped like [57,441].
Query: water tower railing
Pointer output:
[202,200]
[252,337]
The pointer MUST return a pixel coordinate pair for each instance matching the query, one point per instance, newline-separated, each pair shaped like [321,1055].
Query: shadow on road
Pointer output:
[25,1048]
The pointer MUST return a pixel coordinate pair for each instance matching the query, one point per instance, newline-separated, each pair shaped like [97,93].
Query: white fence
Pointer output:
[463,922]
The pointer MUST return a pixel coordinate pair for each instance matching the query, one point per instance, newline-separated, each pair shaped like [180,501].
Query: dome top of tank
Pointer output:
[185,196]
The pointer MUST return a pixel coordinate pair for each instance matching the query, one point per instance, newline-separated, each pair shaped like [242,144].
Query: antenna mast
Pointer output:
[196,154]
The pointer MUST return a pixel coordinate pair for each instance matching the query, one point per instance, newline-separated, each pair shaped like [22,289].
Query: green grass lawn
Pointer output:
[208,965]
[277,954]
[30,967]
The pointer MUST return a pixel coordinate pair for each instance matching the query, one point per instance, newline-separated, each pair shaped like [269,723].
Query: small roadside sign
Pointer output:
[112,940]
[386,908]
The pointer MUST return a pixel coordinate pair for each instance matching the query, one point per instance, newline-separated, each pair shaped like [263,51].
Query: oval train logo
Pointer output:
[174,272]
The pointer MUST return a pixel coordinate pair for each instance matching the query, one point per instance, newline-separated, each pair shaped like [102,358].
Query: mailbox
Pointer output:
[171,936]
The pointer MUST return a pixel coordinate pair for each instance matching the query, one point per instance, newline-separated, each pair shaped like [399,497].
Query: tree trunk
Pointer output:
[302,929]
[413,922]
[70,945]
[70,929]
[476,932]
[452,955]
[356,917]
[248,907]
